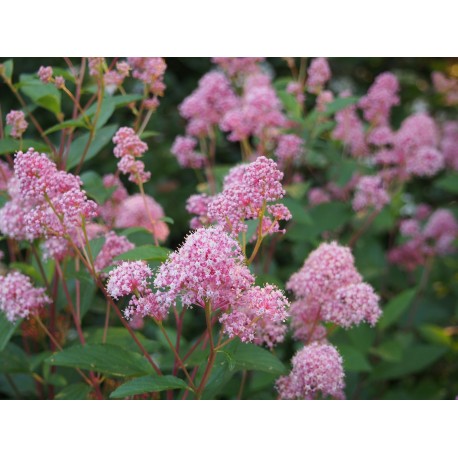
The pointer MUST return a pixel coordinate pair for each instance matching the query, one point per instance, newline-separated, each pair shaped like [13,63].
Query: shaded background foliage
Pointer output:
[413,352]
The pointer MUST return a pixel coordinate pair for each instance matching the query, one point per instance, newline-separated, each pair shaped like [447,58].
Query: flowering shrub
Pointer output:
[268,229]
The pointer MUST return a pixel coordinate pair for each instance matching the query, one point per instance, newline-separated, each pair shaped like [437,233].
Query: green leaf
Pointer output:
[251,357]
[389,351]
[149,134]
[328,217]
[75,391]
[6,68]
[396,308]
[122,100]
[340,104]
[44,95]
[354,360]
[14,360]
[436,334]
[101,139]
[107,108]
[144,253]
[148,384]
[362,337]
[6,330]
[448,183]
[415,359]
[104,358]
[168,220]
[93,185]
[10,145]
[66,124]
[298,211]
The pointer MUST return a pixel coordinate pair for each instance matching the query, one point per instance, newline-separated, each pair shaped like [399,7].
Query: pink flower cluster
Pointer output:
[114,245]
[448,87]
[19,298]
[258,316]
[150,70]
[128,148]
[381,97]
[207,105]
[370,193]
[183,149]
[317,370]
[319,74]
[289,149]
[197,204]
[238,66]
[5,175]
[449,144]
[208,267]
[115,78]
[45,202]
[329,288]
[247,191]
[435,238]
[16,119]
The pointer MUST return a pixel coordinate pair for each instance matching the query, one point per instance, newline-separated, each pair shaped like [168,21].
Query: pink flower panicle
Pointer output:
[128,148]
[150,70]
[208,267]
[114,246]
[290,147]
[296,89]
[238,66]
[96,66]
[16,119]
[318,196]
[129,278]
[258,316]
[139,211]
[183,149]
[381,97]
[449,144]
[317,370]
[329,288]
[370,193]
[197,204]
[5,175]
[50,202]
[448,87]
[19,298]
[246,192]
[323,99]
[319,74]
[207,105]
[109,209]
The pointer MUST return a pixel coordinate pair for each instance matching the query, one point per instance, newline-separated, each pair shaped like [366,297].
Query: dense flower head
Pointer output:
[109,209]
[130,277]
[5,175]
[59,82]
[381,97]
[295,88]
[323,99]
[142,211]
[114,246]
[353,303]
[350,131]
[442,227]
[19,298]
[246,192]
[149,70]
[317,370]
[206,106]
[197,204]
[45,74]
[380,136]
[208,267]
[319,74]
[329,288]
[16,119]
[53,201]
[448,87]
[257,113]
[238,66]
[96,66]
[317,196]
[258,316]
[425,161]
[183,149]
[305,321]
[370,193]
[115,78]
[449,144]
[289,148]
[128,148]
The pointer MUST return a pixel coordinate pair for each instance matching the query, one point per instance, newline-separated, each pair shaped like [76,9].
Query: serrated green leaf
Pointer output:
[148,384]
[101,139]
[104,358]
[396,307]
[144,253]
